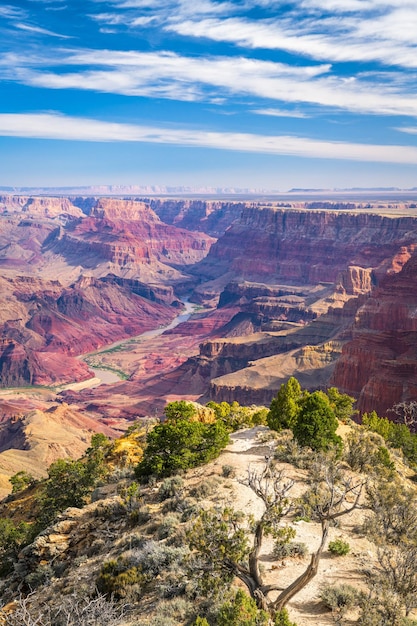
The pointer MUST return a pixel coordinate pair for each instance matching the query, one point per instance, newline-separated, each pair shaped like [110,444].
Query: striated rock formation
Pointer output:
[379,364]
[128,239]
[211,217]
[39,207]
[45,325]
[307,247]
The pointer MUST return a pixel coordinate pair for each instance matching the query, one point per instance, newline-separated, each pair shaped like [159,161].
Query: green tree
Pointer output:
[178,445]
[12,538]
[21,480]
[285,407]
[180,410]
[316,424]
[341,403]
[69,482]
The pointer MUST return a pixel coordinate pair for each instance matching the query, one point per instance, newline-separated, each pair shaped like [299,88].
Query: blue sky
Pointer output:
[263,94]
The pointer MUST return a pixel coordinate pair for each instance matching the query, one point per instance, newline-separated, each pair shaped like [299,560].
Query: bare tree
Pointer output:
[226,545]
[72,611]
[406,413]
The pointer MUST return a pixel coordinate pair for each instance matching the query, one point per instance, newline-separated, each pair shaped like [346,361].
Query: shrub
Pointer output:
[20,481]
[153,558]
[168,526]
[282,619]
[40,576]
[241,611]
[288,450]
[291,549]
[119,579]
[171,487]
[178,608]
[204,489]
[201,621]
[339,596]
[13,537]
[228,471]
[72,611]
[339,547]
[140,516]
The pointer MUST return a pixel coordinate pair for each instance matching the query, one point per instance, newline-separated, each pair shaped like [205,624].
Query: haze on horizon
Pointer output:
[259,94]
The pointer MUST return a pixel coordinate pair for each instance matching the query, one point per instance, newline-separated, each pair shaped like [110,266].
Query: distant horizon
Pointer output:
[186,190]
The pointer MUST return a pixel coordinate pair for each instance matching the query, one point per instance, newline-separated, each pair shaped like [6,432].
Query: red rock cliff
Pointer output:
[379,364]
[307,247]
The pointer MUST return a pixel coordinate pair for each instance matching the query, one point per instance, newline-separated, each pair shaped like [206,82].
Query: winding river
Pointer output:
[107,376]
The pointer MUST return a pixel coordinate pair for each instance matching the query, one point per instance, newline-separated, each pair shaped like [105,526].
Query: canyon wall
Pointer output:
[208,216]
[379,364]
[308,247]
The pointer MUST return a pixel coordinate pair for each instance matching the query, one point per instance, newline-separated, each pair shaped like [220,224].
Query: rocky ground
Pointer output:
[71,553]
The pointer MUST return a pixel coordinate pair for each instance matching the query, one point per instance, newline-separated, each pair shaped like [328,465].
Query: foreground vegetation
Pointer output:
[155,528]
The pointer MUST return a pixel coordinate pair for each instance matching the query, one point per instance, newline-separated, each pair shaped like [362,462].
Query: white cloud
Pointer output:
[410,130]
[279,113]
[321,40]
[55,126]
[41,31]
[168,75]
[11,12]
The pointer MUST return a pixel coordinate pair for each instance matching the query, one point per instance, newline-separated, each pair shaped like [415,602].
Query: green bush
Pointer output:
[396,435]
[20,481]
[292,549]
[241,611]
[177,446]
[13,537]
[339,547]
[201,621]
[282,619]
[316,423]
[118,579]
[235,416]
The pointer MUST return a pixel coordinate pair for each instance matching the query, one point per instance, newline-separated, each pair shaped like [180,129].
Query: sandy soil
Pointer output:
[248,450]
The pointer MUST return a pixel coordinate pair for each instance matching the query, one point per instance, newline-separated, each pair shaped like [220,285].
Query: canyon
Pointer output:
[323,293]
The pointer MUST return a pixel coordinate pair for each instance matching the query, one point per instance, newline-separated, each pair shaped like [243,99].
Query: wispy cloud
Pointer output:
[335,43]
[410,130]
[11,12]
[279,113]
[42,31]
[212,79]
[55,126]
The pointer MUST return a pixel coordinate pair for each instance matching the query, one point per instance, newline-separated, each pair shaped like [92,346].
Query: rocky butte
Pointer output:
[326,295]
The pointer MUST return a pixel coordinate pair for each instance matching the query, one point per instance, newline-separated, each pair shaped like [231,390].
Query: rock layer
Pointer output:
[379,364]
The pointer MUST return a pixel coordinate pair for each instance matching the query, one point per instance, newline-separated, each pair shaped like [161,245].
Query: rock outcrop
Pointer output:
[307,247]
[379,364]
[207,216]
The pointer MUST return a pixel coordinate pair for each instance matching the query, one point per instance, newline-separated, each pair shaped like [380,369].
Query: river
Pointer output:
[107,376]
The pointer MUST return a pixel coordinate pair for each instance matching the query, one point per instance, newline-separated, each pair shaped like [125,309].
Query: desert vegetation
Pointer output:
[157,521]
